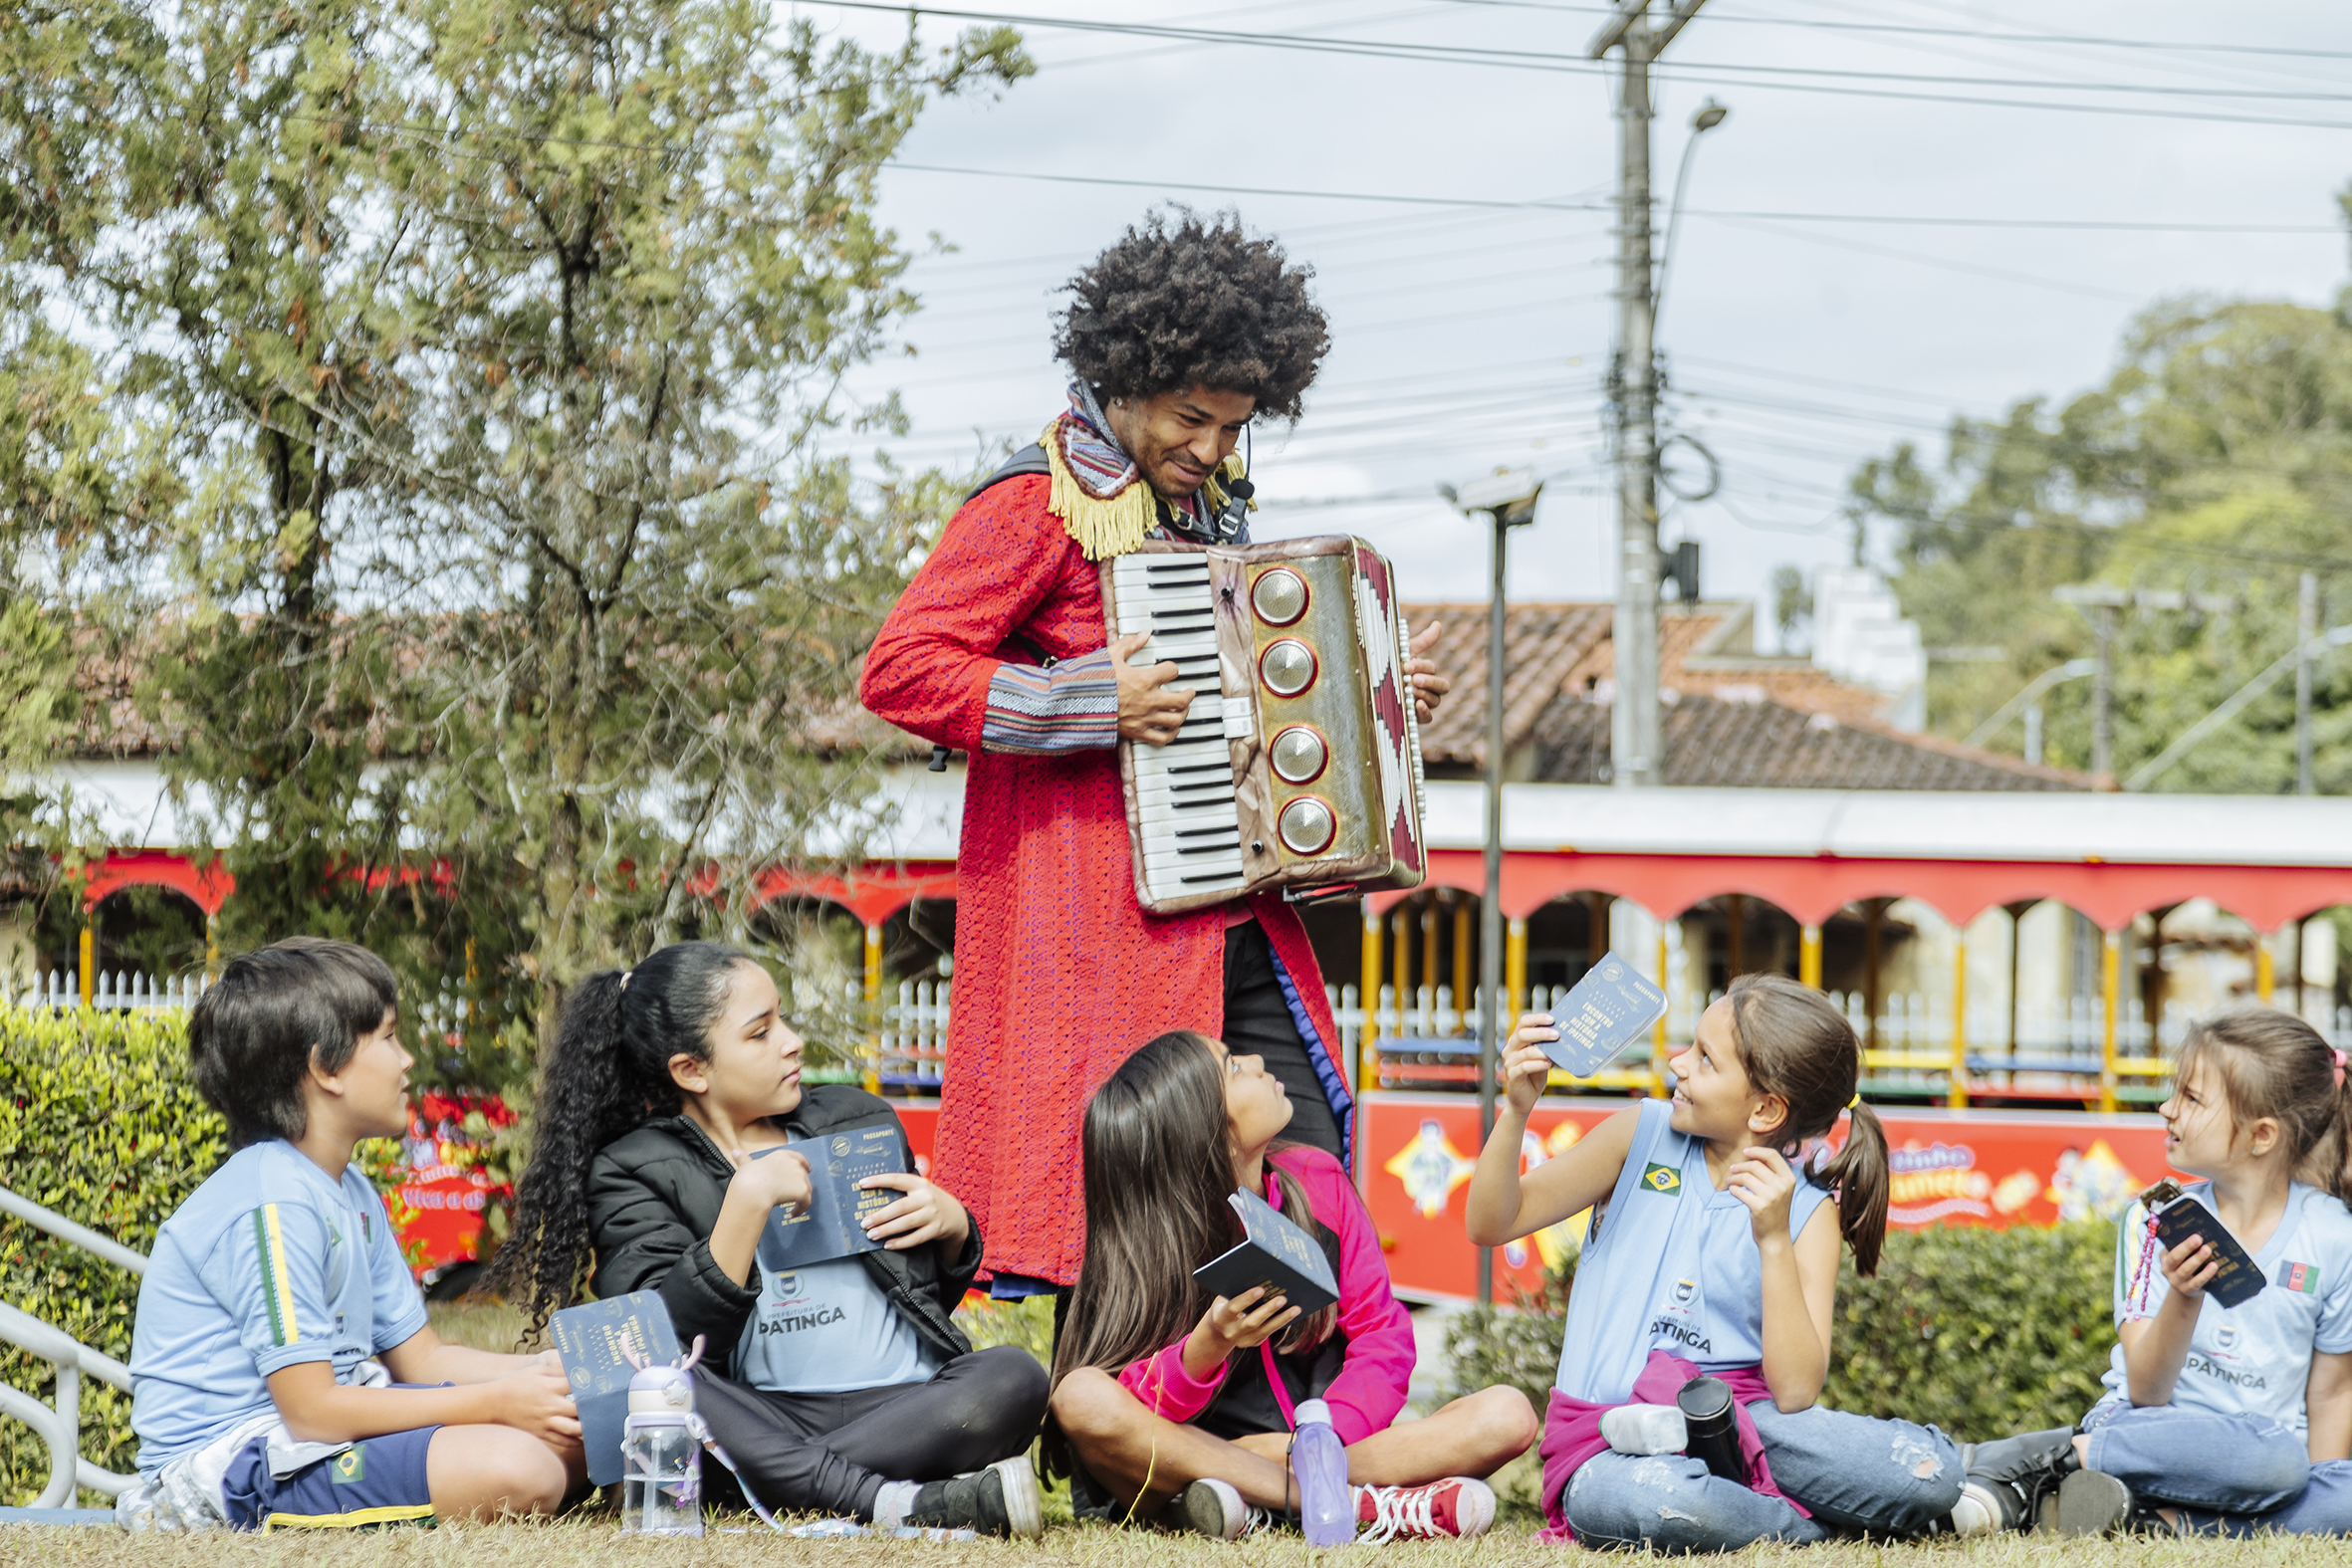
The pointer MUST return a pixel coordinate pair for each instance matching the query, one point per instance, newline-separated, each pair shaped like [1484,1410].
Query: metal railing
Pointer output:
[59,1424]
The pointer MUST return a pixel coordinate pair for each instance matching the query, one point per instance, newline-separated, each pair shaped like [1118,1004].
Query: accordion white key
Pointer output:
[1298,763]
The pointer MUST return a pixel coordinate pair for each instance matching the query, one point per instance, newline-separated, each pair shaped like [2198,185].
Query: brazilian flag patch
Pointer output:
[1661,1179]
[350,1467]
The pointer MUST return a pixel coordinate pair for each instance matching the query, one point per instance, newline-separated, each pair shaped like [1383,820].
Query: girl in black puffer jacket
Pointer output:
[847,1388]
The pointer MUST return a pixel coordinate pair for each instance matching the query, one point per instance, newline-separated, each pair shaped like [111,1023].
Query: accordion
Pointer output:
[1299,763]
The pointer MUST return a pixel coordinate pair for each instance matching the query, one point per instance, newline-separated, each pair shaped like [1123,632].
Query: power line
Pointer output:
[2001,273]
[1569,204]
[2119,537]
[1244,191]
[1692,71]
[2093,224]
[1549,58]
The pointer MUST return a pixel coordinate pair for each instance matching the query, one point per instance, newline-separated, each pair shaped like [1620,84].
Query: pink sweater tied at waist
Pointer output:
[1571,1432]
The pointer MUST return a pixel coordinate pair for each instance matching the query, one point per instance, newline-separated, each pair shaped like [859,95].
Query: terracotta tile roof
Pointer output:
[1543,644]
[1761,744]
[110,723]
[1733,716]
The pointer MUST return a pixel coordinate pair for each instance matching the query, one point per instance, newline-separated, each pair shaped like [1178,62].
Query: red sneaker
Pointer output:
[1455,1506]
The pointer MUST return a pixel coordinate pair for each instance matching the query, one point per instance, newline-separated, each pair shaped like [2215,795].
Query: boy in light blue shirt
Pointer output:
[282,1369]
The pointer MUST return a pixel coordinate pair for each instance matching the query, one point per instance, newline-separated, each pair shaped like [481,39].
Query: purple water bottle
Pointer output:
[1327,1509]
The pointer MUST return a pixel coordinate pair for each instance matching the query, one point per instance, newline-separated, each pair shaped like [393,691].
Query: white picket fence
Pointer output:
[115,990]
[910,1033]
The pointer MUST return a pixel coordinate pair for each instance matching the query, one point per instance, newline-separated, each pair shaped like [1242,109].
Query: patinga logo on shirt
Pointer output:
[790,1311]
[2300,1276]
[1661,1179]
[1684,1289]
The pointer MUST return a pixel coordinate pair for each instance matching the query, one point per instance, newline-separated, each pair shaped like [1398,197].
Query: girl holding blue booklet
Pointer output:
[1178,1403]
[841,1385]
[1713,1250]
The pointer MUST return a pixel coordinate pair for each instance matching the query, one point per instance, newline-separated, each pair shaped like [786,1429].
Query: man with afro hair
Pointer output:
[1177,336]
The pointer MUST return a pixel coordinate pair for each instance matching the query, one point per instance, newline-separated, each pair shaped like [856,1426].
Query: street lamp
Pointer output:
[1508,497]
[1710,114]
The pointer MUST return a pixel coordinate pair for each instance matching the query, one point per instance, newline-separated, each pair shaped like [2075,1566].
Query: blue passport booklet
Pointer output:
[1612,1003]
[592,1339]
[1273,1252]
[834,1223]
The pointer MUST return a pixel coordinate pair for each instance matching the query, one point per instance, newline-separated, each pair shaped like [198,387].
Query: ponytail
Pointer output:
[1794,1044]
[1858,1173]
[2330,1162]
[606,1074]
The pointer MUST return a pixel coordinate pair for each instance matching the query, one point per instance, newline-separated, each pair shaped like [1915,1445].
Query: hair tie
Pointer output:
[1855,1101]
[624,978]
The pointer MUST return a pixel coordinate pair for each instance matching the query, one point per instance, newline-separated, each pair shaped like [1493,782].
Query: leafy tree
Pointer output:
[2212,460]
[510,604]
[76,463]
[635,258]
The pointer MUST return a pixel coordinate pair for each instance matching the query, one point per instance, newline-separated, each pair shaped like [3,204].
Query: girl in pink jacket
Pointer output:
[1178,1407]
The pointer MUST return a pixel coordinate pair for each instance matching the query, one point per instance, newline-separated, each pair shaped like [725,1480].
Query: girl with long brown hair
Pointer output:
[1178,1405]
[1714,1249]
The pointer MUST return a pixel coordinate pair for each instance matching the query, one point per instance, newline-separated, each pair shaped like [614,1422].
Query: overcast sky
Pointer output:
[1474,335]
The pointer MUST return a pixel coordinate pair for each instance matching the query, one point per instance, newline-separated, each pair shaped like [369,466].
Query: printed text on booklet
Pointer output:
[834,1223]
[1612,1003]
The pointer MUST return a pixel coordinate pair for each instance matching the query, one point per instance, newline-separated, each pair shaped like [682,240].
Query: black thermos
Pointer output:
[1706,1405]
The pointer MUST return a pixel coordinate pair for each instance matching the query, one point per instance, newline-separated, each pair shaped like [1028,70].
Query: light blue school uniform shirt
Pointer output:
[1671,1265]
[270,1264]
[2253,1359]
[827,1328]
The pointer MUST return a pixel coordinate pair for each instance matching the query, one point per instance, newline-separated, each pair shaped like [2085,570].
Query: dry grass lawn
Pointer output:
[589,1543]
[594,1540]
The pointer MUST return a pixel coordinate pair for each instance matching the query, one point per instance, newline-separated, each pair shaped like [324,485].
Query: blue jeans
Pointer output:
[1885,1478]
[2229,1475]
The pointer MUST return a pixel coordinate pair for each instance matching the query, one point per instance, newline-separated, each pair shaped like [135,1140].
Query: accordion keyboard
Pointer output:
[1184,791]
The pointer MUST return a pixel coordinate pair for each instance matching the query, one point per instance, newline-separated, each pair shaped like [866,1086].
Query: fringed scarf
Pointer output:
[1108,505]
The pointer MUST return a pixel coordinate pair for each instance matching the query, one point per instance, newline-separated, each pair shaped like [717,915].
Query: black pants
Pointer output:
[1258,1023]
[831,1453]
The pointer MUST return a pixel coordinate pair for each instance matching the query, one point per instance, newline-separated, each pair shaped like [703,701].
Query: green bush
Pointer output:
[100,1121]
[1981,1332]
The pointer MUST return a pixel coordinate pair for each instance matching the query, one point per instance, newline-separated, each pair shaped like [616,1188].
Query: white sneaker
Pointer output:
[1645,1428]
[1977,1513]
[1213,1508]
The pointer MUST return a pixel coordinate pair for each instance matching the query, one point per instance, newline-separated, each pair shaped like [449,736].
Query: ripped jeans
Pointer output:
[1854,1472]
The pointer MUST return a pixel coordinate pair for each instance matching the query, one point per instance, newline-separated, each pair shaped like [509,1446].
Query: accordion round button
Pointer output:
[1280,597]
[1306,827]
[1299,755]
[1286,666]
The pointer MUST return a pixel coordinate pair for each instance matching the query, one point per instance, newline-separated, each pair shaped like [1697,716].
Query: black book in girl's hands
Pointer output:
[593,1340]
[833,1224]
[2239,1278]
[1612,1003]
[1275,1254]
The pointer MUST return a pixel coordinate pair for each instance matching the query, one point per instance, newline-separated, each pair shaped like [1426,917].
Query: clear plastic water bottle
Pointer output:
[1326,1507]
[661,1456]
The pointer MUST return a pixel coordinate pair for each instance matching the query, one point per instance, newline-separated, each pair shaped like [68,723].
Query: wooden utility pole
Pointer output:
[1633,720]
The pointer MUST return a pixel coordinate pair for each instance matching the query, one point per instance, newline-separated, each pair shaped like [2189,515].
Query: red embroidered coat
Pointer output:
[1059,972]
